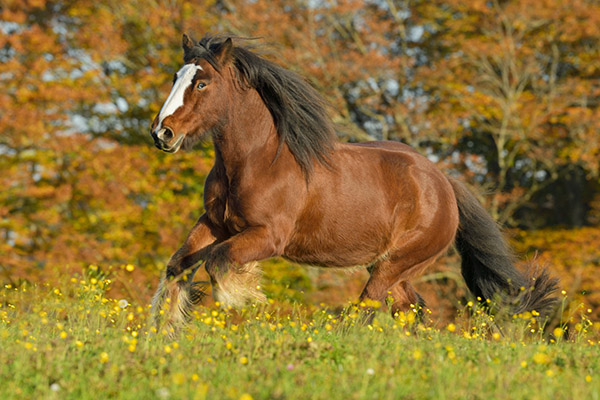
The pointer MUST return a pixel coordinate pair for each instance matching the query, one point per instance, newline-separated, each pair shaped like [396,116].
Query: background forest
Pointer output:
[505,94]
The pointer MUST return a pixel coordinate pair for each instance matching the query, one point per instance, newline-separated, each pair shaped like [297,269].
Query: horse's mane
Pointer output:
[299,111]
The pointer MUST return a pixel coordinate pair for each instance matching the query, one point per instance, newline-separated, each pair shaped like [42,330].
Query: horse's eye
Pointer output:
[201,85]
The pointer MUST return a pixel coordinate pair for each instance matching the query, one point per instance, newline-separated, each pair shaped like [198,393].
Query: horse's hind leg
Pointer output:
[404,297]
[389,280]
[390,275]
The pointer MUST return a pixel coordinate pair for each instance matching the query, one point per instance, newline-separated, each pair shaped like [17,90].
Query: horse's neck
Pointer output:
[249,136]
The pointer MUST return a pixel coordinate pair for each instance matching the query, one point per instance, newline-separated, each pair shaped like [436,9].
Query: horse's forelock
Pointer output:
[200,52]
[207,48]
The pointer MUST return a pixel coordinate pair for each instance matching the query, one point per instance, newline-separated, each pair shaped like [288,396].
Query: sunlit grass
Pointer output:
[72,341]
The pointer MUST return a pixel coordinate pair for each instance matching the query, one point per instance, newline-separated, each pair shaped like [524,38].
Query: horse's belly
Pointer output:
[344,249]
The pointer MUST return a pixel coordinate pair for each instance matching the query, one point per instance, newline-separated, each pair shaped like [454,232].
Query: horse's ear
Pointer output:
[187,43]
[223,51]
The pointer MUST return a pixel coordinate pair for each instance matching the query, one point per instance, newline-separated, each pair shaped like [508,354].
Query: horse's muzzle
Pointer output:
[163,137]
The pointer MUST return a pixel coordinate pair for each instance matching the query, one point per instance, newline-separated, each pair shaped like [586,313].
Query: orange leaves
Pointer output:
[571,254]
[504,72]
[112,207]
[12,11]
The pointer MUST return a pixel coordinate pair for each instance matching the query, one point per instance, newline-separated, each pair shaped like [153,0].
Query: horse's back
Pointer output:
[385,145]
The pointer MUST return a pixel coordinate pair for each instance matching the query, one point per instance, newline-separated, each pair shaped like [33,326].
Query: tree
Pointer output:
[519,92]
[504,93]
[81,81]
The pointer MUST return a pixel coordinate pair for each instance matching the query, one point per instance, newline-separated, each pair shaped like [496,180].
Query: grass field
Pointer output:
[71,341]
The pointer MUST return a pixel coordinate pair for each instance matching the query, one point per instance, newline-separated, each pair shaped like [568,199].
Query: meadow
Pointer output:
[72,340]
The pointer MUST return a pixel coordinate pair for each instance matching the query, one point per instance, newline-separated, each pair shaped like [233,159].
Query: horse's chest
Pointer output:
[233,218]
[224,206]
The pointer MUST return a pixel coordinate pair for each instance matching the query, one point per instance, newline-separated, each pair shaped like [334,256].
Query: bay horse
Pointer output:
[282,186]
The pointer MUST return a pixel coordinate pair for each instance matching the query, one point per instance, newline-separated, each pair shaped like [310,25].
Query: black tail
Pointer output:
[488,262]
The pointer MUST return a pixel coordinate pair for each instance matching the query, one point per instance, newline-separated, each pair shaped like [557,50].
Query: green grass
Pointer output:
[73,342]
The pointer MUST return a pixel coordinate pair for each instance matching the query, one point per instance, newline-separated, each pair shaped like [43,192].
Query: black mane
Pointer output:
[299,111]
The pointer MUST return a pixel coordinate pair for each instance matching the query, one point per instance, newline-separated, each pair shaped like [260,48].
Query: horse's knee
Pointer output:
[174,267]
[172,272]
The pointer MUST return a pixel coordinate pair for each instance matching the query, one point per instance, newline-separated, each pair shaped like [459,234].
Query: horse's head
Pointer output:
[194,106]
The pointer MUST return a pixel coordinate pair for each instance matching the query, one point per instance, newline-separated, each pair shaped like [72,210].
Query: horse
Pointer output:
[282,186]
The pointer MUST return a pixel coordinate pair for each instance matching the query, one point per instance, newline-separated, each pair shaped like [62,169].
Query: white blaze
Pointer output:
[175,100]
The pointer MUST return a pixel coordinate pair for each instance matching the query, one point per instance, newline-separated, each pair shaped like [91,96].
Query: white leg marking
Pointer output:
[173,299]
[238,287]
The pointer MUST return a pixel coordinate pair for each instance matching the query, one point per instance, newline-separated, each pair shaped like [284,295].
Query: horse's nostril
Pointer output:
[167,135]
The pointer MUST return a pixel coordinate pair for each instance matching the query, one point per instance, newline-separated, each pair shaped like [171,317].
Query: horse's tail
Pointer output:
[488,262]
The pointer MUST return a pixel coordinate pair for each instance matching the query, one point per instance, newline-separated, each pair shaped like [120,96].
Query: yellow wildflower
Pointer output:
[178,378]
[558,332]
[541,358]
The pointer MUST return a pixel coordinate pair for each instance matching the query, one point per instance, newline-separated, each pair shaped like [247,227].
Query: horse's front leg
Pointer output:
[176,293]
[233,265]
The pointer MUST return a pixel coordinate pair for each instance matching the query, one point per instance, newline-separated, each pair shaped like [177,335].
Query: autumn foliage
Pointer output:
[504,94]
